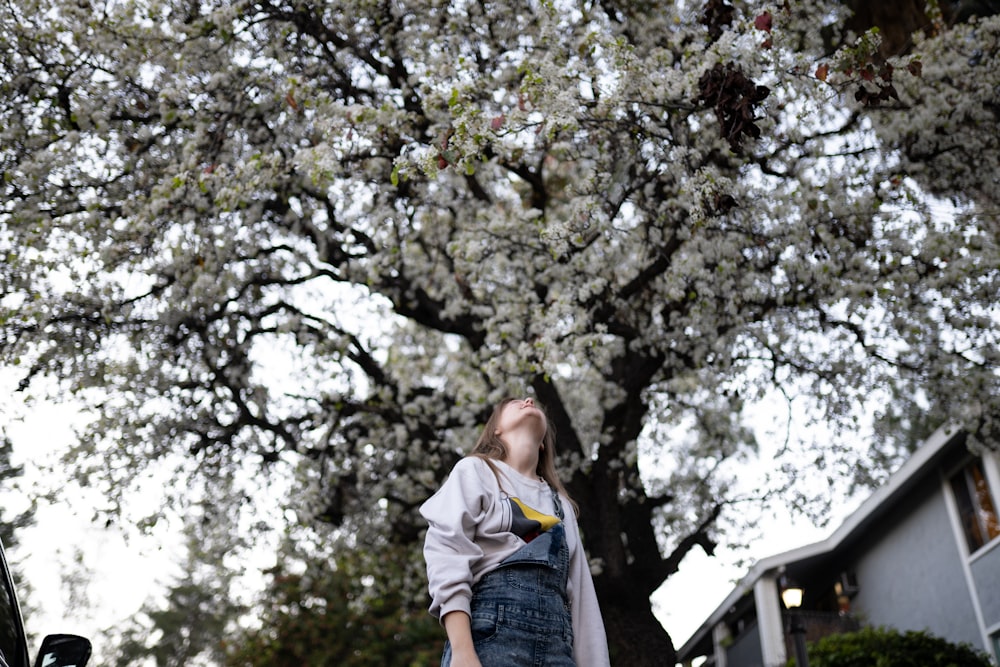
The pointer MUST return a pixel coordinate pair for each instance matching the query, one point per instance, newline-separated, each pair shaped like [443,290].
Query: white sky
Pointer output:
[122,574]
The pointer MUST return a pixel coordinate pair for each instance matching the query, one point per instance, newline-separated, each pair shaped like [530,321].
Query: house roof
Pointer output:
[916,468]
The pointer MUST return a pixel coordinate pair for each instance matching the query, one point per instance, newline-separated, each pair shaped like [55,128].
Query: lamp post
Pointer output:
[792,597]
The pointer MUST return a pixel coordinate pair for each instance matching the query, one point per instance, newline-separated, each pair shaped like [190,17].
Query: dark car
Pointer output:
[56,650]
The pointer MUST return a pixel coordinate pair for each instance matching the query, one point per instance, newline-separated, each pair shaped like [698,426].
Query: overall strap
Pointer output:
[557,503]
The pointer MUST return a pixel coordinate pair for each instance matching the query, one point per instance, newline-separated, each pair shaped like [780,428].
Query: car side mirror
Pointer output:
[63,651]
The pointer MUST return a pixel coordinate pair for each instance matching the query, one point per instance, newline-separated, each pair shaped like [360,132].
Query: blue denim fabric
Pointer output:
[520,612]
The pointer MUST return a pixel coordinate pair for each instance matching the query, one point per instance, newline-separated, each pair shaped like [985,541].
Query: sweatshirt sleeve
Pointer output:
[590,643]
[450,550]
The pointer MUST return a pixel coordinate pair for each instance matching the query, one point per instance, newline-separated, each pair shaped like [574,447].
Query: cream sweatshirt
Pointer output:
[473,525]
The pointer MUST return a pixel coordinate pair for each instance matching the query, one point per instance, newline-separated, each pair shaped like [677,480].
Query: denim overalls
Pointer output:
[520,612]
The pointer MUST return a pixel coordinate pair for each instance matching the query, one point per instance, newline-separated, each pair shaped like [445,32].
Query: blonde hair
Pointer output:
[490,447]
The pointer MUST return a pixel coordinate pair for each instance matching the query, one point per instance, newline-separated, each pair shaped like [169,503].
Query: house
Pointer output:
[921,553]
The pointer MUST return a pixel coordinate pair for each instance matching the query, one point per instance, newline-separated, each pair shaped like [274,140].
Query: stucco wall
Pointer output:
[986,573]
[910,572]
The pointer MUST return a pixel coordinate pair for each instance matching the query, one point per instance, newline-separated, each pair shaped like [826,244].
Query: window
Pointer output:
[976,507]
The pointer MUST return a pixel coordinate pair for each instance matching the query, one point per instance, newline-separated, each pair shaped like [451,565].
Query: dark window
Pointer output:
[976,507]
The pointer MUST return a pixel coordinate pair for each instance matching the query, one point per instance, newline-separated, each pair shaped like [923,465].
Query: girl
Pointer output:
[507,574]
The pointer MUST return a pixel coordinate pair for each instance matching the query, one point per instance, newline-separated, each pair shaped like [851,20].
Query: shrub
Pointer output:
[887,647]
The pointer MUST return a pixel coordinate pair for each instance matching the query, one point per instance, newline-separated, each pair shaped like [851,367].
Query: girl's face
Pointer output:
[522,413]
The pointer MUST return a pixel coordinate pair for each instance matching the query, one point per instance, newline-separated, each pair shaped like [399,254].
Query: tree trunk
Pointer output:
[635,637]
[896,20]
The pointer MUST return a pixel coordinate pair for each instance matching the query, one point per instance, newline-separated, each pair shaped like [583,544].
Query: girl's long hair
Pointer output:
[489,446]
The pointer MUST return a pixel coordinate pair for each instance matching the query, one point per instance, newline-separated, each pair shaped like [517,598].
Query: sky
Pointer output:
[122,572]
[119,573]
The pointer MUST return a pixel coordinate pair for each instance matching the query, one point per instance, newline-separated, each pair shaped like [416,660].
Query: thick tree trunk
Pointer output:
[635,637]
[897,20]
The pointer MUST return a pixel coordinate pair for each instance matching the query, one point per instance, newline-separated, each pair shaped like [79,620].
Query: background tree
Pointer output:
[313,242]
[201,607]
[9,526]
[335,611]
[9,474]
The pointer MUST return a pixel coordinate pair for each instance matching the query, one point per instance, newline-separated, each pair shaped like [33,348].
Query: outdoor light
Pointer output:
[792,597]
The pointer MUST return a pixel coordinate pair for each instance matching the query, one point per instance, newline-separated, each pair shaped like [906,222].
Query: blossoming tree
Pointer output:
[318,239]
